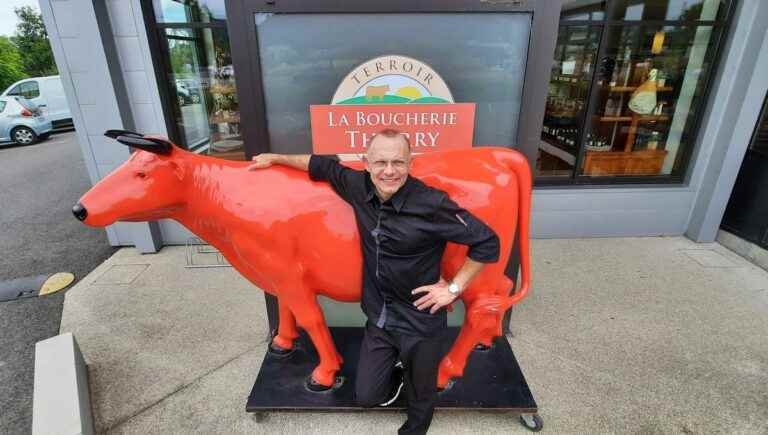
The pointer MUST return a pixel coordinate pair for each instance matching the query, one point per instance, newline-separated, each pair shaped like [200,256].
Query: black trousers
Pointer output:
[420,357]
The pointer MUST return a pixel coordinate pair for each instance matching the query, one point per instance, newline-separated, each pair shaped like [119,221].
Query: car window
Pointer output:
[2,106]
[26,103]
[30,89]
[15,91]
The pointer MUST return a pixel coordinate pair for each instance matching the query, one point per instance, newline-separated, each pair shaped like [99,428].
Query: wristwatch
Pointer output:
[454,288]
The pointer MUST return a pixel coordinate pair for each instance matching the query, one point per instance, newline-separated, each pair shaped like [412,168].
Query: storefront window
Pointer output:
[638,123]
[200,77]
[633,115]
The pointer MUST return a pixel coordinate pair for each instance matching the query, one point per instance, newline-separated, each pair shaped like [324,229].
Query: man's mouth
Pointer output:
[390,180]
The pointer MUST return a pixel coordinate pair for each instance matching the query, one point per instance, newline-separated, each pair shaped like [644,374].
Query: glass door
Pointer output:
[747,212]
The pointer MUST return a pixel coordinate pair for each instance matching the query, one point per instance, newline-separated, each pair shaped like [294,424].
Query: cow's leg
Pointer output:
[310,317]
[479,326]
[286,331]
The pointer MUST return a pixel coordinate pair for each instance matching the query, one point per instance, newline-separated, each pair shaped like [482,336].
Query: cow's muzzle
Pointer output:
[79,211]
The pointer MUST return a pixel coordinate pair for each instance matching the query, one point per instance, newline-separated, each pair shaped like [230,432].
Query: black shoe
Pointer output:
[397,384]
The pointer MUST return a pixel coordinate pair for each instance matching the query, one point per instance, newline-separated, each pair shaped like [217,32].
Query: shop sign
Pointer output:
[392,92]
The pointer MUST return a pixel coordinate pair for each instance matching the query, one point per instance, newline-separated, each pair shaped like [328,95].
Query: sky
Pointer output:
[8,18]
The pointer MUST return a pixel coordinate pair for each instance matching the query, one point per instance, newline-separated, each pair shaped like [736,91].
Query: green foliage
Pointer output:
[11,68]
[31,41]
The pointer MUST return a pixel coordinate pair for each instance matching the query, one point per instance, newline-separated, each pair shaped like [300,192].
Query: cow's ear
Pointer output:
[178,170]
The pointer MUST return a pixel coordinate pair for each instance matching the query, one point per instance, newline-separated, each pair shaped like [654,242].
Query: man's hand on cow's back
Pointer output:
[265,160]
[437,296]
[261,161]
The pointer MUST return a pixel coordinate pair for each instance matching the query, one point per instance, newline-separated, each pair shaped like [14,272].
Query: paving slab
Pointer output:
[631,335]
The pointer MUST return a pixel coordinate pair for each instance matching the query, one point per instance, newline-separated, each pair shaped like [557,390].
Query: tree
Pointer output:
[32,43]
[11,68]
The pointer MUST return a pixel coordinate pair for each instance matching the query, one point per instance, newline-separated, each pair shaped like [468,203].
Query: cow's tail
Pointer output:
[518,165]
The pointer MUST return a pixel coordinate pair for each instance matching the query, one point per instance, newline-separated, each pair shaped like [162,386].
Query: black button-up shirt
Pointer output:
[403,240]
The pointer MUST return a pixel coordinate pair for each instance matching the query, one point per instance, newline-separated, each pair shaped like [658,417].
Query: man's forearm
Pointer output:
[298,161]
[467,273]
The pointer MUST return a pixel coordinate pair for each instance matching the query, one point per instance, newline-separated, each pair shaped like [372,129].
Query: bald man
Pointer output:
[404,226]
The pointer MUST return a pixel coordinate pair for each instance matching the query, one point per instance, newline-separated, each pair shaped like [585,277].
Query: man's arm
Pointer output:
[265,160]
[457,225]
[344,180]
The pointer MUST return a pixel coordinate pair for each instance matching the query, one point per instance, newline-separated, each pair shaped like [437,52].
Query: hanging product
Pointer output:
[643,100]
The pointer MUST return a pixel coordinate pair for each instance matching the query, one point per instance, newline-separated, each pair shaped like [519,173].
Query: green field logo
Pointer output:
[392,79]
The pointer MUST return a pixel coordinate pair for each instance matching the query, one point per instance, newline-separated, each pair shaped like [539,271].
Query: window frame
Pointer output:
[577,180]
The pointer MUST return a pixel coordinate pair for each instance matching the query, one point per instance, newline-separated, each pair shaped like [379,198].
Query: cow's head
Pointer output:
[149,186]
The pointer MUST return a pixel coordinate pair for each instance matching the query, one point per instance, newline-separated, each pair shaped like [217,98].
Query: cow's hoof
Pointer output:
[447,387]
[480,347]
[317,387]
[279,351]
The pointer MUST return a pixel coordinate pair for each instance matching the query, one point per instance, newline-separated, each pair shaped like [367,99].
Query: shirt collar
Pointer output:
[397,200]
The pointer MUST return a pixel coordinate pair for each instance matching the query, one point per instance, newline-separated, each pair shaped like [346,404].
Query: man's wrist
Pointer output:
[455,288]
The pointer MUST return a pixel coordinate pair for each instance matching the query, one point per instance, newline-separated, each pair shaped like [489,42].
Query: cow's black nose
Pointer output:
[79,211]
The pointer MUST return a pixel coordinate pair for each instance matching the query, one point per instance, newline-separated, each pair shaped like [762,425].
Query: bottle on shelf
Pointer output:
[653,142]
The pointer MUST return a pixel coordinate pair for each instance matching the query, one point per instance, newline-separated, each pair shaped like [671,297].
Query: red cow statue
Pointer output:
[296,239]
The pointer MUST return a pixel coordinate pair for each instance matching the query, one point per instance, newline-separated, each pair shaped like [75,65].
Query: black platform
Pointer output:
[492,379]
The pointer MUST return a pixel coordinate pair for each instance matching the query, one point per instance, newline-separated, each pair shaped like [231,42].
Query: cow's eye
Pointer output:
[141,174]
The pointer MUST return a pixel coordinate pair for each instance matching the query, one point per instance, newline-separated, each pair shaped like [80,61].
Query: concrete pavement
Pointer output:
[632,335]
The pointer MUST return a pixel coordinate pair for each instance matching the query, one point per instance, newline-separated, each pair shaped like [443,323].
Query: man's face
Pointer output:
[388,160]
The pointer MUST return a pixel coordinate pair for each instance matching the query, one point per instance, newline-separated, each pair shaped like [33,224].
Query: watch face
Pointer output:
[453,288]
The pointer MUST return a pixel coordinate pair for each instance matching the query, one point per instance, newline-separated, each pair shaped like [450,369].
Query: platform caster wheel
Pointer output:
[259,417]
[532,422]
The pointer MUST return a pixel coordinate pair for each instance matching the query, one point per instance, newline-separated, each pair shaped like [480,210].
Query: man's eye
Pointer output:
[141,174]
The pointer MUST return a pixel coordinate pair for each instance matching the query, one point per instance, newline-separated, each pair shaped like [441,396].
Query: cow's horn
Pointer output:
[115,133]
[157,146]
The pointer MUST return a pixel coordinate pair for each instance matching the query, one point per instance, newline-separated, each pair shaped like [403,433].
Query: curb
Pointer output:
[61,401]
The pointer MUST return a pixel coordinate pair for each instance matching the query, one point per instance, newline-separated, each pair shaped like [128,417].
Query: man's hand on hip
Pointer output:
[437,296]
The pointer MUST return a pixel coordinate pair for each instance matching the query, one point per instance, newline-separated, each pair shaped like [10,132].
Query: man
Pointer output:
[404,226]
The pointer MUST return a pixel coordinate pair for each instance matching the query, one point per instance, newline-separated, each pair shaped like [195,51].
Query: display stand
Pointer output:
[492,379]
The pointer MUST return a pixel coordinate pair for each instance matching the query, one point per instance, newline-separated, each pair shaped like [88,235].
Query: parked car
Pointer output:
[22,122]
[47,94]
[188,92]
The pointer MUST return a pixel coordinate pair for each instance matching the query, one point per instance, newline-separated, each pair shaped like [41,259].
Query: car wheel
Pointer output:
[181,100]
[195,98]
[23,135]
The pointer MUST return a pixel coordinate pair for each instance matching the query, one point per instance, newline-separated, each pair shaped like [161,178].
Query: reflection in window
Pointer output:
[567,98]
[189,11]
[202,82]
[583,10]
[669,10]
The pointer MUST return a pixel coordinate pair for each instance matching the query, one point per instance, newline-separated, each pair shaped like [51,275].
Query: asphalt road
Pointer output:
[38,235]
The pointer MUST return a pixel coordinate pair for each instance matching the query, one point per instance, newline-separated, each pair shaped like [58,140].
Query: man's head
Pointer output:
[388,160]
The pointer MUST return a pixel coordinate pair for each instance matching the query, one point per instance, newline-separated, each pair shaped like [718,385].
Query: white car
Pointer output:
[47,94]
